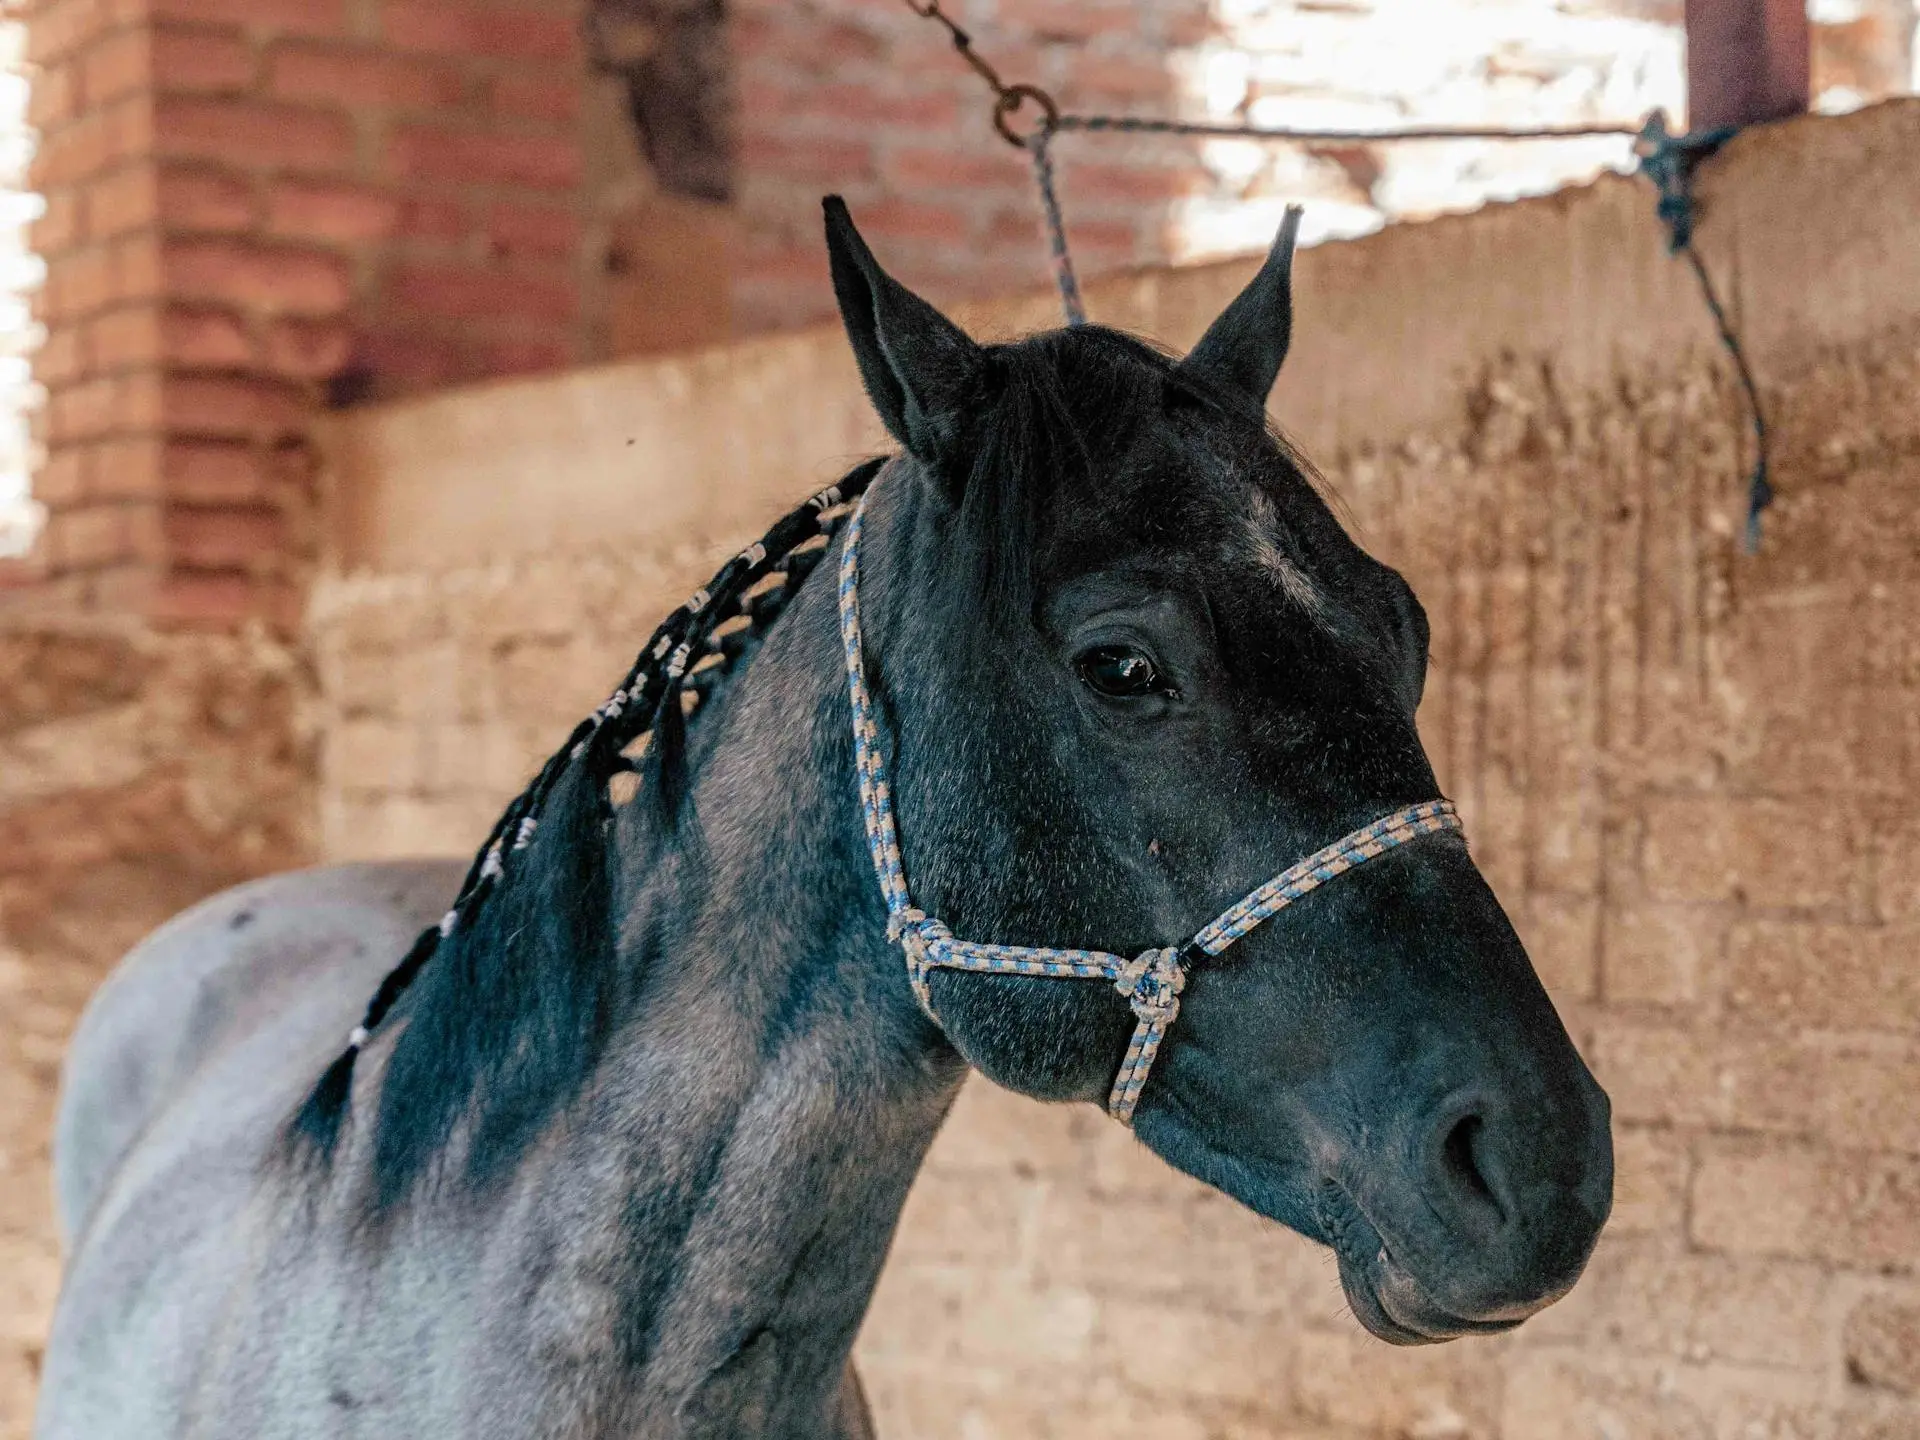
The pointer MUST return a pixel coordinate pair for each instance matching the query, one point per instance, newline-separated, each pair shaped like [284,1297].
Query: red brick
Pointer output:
[827,161]
[223,537]
[253,135]
[119,65]
[86,538]
[205,339]
[98,140]
[466,156]
[1068,19]
[60,357]
[205,202]
[83,411]
[314,210]
[24,572]
[201,62]
[208,473]
[911,220]
[774,111]
[409,361]
[1094,78]
[84,281]
[464,27]
[945,171]
[1135,184]
[287,17]
[54,97]
[66,476]
[209,599]
[126,200]
[123,338]
[212,406]
[496,358]
[359,76]
[473,292]
[136,262]
[533,97]
[58,29]
[309,349]
[60,226]
[277,279]
[126,469]
[533,229]
[442,222]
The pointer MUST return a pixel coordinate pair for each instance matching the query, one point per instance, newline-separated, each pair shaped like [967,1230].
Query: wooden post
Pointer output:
[1747,61]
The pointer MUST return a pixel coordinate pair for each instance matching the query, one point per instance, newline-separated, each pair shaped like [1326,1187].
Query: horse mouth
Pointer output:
[1383,1294]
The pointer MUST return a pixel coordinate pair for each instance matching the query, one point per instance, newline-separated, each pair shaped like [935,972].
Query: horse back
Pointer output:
[317,938]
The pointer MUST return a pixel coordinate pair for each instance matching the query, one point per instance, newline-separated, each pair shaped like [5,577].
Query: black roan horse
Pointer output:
[627,1153]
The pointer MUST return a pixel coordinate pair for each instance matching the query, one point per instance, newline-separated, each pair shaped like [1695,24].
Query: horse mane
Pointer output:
[509,999]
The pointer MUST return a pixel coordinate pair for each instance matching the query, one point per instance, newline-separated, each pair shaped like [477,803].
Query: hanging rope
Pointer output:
[1667,160]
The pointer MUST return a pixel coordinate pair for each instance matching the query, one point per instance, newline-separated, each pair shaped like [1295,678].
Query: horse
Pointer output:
[1096,772]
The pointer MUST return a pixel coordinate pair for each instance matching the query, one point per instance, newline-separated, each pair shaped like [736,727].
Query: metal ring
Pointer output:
[1011,99]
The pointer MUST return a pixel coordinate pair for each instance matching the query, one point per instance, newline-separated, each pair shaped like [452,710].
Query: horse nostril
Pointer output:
[1460,1161]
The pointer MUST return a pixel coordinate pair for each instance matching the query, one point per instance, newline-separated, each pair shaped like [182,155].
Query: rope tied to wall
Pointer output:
[1667,160]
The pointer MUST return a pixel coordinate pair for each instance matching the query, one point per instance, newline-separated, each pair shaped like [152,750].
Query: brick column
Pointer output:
[256,208]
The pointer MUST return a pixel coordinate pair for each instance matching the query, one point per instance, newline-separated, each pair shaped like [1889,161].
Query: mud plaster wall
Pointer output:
[137,774]
[1689,776]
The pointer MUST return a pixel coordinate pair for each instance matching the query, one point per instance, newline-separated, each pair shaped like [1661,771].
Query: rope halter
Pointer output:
[1152,980]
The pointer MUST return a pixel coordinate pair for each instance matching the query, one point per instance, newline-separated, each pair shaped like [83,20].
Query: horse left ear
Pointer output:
[919,368]
[1247,345]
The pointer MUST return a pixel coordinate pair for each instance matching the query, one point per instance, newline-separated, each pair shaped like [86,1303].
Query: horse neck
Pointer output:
[773,1087]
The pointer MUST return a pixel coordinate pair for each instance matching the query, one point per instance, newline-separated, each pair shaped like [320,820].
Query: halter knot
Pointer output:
[1152,982]
[913,930]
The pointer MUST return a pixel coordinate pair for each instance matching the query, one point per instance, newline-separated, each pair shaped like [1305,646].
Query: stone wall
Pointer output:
[1687,773]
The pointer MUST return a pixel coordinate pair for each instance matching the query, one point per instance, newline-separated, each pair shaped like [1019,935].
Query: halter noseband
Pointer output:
[1152,980]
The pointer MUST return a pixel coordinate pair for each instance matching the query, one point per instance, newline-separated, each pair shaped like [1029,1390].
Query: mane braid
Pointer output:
[504,1027]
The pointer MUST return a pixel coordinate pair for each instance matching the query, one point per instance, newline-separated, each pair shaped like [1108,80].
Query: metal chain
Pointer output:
[1667,160]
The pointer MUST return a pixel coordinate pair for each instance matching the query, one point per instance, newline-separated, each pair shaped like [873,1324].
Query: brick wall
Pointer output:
[1687,773]
[253,209]
[860,96]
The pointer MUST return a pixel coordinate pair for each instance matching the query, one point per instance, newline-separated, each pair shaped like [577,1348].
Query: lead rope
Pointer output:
[1152,980]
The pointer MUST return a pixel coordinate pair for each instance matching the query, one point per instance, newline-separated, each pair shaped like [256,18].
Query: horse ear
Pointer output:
[918,366]
[1247,345]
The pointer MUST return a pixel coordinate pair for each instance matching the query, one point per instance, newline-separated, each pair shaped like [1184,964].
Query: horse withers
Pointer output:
[618,1149]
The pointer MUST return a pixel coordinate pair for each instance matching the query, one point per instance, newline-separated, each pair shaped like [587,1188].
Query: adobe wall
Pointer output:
[1688,774]
[137,774]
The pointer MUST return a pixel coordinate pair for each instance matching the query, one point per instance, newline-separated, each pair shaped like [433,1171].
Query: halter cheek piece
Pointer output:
[1152,980]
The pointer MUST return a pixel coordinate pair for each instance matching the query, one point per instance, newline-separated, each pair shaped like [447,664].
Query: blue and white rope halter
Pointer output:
[1151,981]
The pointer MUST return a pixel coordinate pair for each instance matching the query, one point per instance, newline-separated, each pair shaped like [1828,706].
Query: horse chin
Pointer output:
[1384,1296]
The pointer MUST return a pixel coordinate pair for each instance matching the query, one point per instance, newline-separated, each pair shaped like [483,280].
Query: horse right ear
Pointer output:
[920,369]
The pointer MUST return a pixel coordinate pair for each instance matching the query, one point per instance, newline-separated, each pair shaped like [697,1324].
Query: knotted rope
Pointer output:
[1152,981]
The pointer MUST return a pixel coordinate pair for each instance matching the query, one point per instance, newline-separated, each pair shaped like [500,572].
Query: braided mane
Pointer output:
[509,995]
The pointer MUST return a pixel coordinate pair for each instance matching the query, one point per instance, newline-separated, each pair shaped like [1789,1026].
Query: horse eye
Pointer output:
[1118,671]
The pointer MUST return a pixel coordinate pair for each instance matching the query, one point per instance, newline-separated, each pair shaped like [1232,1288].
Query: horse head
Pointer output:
[1130,665]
